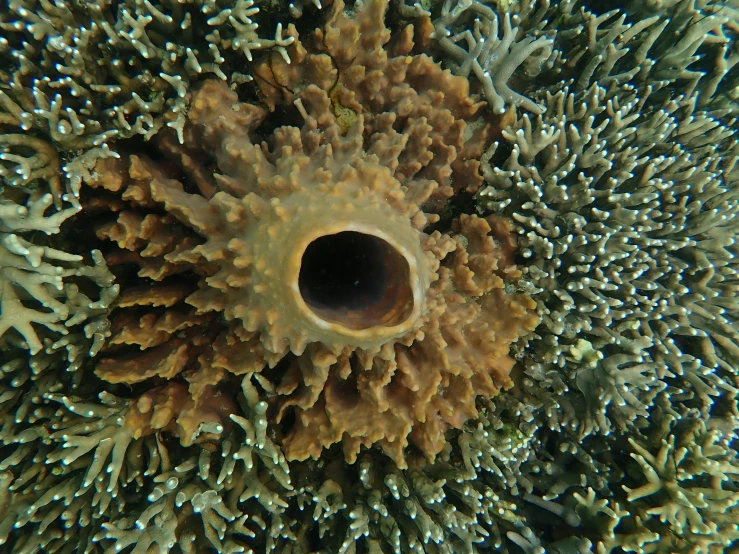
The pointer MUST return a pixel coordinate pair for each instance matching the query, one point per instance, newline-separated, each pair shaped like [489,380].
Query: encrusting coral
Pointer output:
[309,250]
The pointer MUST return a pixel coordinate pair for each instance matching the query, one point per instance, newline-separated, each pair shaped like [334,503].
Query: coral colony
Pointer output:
[457,276]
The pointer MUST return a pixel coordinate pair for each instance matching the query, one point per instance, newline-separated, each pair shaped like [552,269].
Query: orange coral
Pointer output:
[305,251]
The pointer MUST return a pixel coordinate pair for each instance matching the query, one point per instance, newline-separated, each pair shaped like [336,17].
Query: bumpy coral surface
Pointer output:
[303,249]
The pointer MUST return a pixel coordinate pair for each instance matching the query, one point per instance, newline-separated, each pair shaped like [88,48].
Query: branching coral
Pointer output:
[35,293]
[86,74]
[214,500]
[691,480]
[678,494]
[369,322]
[478,41]
[439,508]
[627,214]
[51,300]
[313,251]
[45,292]
[73,489]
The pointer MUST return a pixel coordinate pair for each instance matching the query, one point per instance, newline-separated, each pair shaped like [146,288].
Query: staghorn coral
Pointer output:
[520,477]
[449,506]
[468,33]
[69,471]
[46,294]
[214,499]
[460,503]
[87,73]
[313,252]
[691,480]
[53,301]
[622,193]
[678,493]
[35,294]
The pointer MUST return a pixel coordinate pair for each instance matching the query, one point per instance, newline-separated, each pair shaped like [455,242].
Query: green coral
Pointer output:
[622,193]
[679,493]
[619,435]
[84,73]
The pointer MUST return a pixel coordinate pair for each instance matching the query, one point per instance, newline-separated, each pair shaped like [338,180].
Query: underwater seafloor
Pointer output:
[452,276]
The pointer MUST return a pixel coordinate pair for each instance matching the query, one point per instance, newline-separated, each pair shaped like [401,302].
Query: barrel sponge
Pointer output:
[314,268]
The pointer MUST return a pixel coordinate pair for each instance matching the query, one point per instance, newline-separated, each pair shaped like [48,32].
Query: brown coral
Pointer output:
[306,252]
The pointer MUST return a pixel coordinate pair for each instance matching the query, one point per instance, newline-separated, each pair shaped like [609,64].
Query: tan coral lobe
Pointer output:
[303,257]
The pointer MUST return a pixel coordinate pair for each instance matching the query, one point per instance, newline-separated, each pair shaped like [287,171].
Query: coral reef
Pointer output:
[72,77]
[622,193]
[678,493]
[51,300]
[475,40]
[594,142]
[313,252]
[84,74]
